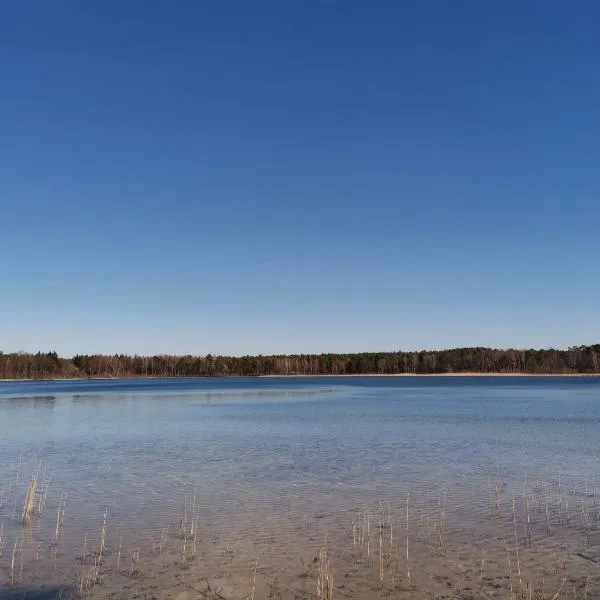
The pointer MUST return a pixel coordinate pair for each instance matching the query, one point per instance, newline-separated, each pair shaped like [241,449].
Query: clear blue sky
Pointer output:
[257,177]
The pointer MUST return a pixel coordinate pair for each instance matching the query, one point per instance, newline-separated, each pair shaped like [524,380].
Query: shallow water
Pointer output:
[260,458]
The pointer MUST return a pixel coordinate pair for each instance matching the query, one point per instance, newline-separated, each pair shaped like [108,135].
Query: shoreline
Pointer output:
[470,374]
[462,374]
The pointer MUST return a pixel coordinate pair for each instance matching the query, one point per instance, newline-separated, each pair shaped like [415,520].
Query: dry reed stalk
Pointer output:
[62,512]
[12,562]
[559,500]
[585,517]
[254,578]
[441,540]
[21,566]
[547,508]
[512,594]
[527,508]
[482,565]
[82,579]
[391,524]
[392,560]
[119,554]
[369,538]
[2,539]
[407,534]
[324,576]
[364,535]
[562,583]
[60,516]
[498,490]
[516,542]
[528,517]
[427,529]
[183,522]
[194,534]
[381,520]
[57,530]
[43,492]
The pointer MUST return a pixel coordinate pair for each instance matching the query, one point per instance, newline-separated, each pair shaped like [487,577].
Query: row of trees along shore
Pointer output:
[577,359]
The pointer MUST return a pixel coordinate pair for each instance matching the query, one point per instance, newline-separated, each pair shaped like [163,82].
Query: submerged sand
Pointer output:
[543,542]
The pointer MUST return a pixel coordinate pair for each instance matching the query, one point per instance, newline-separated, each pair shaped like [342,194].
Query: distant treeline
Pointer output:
[578,359]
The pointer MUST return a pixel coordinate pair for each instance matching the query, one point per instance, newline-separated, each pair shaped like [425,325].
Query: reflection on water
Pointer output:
[273,457]
[29,401]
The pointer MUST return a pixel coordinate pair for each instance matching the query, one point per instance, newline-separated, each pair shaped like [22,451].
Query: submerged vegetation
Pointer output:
[577,359]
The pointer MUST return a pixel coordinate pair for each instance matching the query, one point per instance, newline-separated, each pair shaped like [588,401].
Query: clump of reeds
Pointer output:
[434,530]
[188,524]
[386,538]
[324,576]
[36,495]
[135,563]
[188,532]
[90,577]
[29,506]
[366,539]
[163,540]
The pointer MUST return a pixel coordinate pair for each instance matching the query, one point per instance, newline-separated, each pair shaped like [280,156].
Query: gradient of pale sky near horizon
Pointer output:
[270,177]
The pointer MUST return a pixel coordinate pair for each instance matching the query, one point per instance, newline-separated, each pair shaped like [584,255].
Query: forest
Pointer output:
[49,365]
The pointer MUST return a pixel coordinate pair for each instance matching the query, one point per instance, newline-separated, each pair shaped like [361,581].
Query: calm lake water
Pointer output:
[256,451]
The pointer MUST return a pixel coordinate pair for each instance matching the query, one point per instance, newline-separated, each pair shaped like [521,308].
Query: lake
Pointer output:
[207,478]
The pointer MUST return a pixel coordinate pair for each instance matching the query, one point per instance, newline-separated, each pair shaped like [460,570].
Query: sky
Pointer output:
[319,176]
